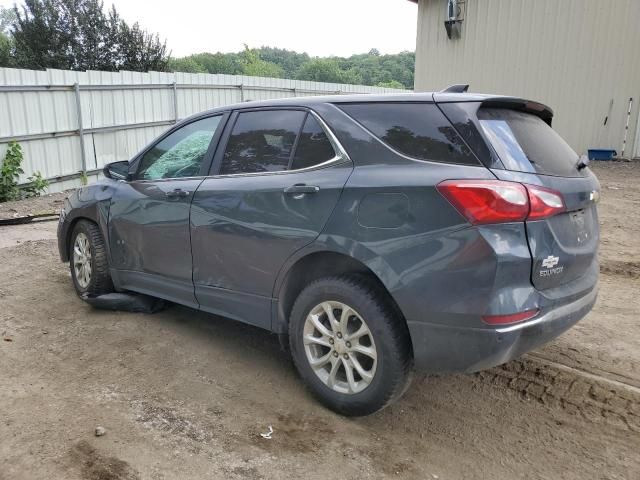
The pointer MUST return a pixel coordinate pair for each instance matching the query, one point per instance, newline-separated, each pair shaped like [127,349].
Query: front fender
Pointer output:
[91,203]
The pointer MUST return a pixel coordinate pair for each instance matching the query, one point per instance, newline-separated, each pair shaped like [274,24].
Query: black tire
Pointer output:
[388,330]
[100,281]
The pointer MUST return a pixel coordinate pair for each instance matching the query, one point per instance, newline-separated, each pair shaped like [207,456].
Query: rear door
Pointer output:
[273,188]
[563,246]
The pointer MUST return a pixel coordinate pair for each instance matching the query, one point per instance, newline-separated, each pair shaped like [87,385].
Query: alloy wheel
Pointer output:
[82,260]
[340,347]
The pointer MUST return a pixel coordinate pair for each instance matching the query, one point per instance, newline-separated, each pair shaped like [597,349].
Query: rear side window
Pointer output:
[313,146]
[525,143]
[418,130]
[262,141]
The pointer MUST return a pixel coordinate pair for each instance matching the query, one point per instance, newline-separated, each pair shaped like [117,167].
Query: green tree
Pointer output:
[390,84]
[185,64]
[7,20]
[140,50]
[78,35]
[372,68]
[321,70]
[228,63]
[289,61]
[5,50]
[253,65]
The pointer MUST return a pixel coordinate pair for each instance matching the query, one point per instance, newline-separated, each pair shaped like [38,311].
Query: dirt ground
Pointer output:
[183,394]
[50,203]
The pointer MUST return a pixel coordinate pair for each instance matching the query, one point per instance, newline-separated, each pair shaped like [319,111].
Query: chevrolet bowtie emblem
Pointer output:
[550,261]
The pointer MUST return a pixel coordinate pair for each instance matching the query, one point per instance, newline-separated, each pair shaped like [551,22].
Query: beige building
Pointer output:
[580,57]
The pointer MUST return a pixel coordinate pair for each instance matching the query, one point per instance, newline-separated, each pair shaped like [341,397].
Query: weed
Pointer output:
[10,174]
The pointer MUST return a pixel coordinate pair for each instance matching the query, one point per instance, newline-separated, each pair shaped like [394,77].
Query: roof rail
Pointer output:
[458,88]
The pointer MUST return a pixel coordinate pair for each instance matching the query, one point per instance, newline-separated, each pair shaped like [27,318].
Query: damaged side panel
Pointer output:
[91,202]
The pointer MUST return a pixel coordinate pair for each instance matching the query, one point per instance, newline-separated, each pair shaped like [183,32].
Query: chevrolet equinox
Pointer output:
[444,232]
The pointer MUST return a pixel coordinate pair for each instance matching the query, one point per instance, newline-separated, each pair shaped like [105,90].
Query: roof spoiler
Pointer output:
[457,88]
[528,106]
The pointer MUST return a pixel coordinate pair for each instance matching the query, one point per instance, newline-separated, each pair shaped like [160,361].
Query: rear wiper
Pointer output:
[583,162]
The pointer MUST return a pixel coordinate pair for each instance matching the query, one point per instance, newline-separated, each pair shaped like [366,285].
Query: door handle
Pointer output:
[301,188]
[177,193]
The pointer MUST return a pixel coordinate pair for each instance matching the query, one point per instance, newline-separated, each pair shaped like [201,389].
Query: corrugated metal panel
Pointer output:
[574,55]
[46,112]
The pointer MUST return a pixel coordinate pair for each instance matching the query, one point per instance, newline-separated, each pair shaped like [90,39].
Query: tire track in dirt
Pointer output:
[620,267]
[592,397]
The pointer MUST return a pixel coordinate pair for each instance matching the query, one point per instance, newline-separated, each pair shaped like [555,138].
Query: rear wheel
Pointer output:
[88,260]
[350,345]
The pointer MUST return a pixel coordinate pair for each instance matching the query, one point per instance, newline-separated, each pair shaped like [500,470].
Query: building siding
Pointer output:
[573,55]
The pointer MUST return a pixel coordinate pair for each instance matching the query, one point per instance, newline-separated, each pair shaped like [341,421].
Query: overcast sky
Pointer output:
[318,27]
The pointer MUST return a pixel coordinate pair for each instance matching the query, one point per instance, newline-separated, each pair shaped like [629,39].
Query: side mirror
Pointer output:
[117,170]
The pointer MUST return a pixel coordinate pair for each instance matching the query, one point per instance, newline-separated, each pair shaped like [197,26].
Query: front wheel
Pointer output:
[350,345]
[88,260]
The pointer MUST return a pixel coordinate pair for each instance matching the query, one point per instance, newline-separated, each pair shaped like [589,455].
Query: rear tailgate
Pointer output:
[525,149]
[565,246]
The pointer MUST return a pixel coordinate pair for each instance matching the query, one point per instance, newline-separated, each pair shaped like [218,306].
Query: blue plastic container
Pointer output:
[601,154]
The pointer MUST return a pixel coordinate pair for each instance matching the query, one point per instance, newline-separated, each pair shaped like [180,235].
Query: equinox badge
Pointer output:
[549,263]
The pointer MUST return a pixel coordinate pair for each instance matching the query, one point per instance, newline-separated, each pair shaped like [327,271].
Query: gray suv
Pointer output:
[445,232]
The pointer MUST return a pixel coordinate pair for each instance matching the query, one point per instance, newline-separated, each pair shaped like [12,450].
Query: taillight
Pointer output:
[544,202]
[487,201]
[510,318]
[497,201]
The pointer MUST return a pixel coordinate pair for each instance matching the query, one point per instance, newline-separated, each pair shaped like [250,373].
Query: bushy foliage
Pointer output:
[35,186]
[372,68]
[228,63]
[253,65]
[185,64]
[289,61]
[390,84]
[10,172]
[7,19]
[80,35]
[5,50]
[325,70]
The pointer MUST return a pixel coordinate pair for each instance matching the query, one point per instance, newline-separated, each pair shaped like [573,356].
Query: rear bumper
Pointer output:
[440,348]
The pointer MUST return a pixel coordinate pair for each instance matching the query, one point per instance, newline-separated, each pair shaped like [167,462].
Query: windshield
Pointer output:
[525,143]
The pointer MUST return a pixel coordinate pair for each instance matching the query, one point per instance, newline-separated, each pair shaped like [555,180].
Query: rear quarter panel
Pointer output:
[437,266]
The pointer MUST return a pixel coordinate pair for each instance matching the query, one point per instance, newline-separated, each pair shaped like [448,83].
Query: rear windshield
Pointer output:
[419,130]
[525,143]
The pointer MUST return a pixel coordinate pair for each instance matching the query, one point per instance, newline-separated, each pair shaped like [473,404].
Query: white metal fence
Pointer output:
[73,123]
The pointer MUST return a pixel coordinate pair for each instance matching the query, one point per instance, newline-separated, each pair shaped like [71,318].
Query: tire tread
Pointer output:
[101,278]
[373,294]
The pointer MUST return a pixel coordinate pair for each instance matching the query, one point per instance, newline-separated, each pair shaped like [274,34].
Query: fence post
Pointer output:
[175,102]
[242,92]
[626,130]
[636,143]
[83,153]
